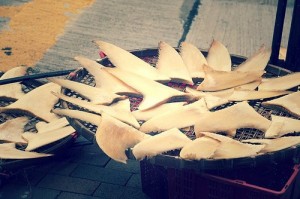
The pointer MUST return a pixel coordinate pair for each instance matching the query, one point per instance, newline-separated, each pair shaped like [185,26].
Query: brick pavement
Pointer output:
[82,171]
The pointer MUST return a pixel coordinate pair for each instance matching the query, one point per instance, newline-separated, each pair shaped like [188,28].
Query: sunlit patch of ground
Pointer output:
[33,28]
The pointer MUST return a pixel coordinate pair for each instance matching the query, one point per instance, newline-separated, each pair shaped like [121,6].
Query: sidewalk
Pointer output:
[243,26]
[84,171]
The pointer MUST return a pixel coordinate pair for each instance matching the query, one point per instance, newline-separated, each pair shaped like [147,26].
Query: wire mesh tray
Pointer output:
[55,147]
[172,159]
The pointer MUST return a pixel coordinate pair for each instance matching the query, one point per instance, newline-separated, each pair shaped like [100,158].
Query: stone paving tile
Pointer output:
[160,20]
[131,166]
[135,181]
[93,147]
[243,26]
[45,166]
[67,195]
[134,193]
[43,67]
[84,46]
[101,174]
[69,184]
[64,168]
[69,153]
[25,176]
[56,63]
[148,23]
[82,151]
[71,49]
[110,191]
[10,191]
[97,158]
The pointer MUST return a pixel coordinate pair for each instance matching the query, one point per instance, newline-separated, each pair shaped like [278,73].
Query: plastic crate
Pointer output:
[154,180]
[277,181]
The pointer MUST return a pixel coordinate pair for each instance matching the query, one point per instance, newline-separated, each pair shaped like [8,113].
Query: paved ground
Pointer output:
[243,26]
[85,171]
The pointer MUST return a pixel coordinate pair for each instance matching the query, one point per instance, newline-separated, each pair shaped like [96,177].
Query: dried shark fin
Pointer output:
[250,86]
[214,101]
[222,93]
[280,83]
[218,57]
[127,61]
[13,90]
[80,115]
[289,102]
[171,64]
[276,144]
[282,143]
[234,94]
[12,130]
[153,92]
[240,115]
[181,117]
[220,80]
[115,137]
[42,127]
[200,148]
[257,141]
[258,61]
[123,105]
[163,142]
[243,95]
[193,59]
[94,94]
[36,140]
[230,148]
[120,113]
[274,129]
[197,94]
[37,102]
[149,113]
[9,151]
[15,72]
[281,126]
[104,79]
[282,53]
[220,138]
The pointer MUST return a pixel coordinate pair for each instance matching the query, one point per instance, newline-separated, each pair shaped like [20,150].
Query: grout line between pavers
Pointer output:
[70,174]
[98,187]
[128,180]
[104,166]
[60,192]
[50,188]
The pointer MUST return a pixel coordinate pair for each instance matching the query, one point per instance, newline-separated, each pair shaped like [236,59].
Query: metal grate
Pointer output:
[30,126]
[150,56]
